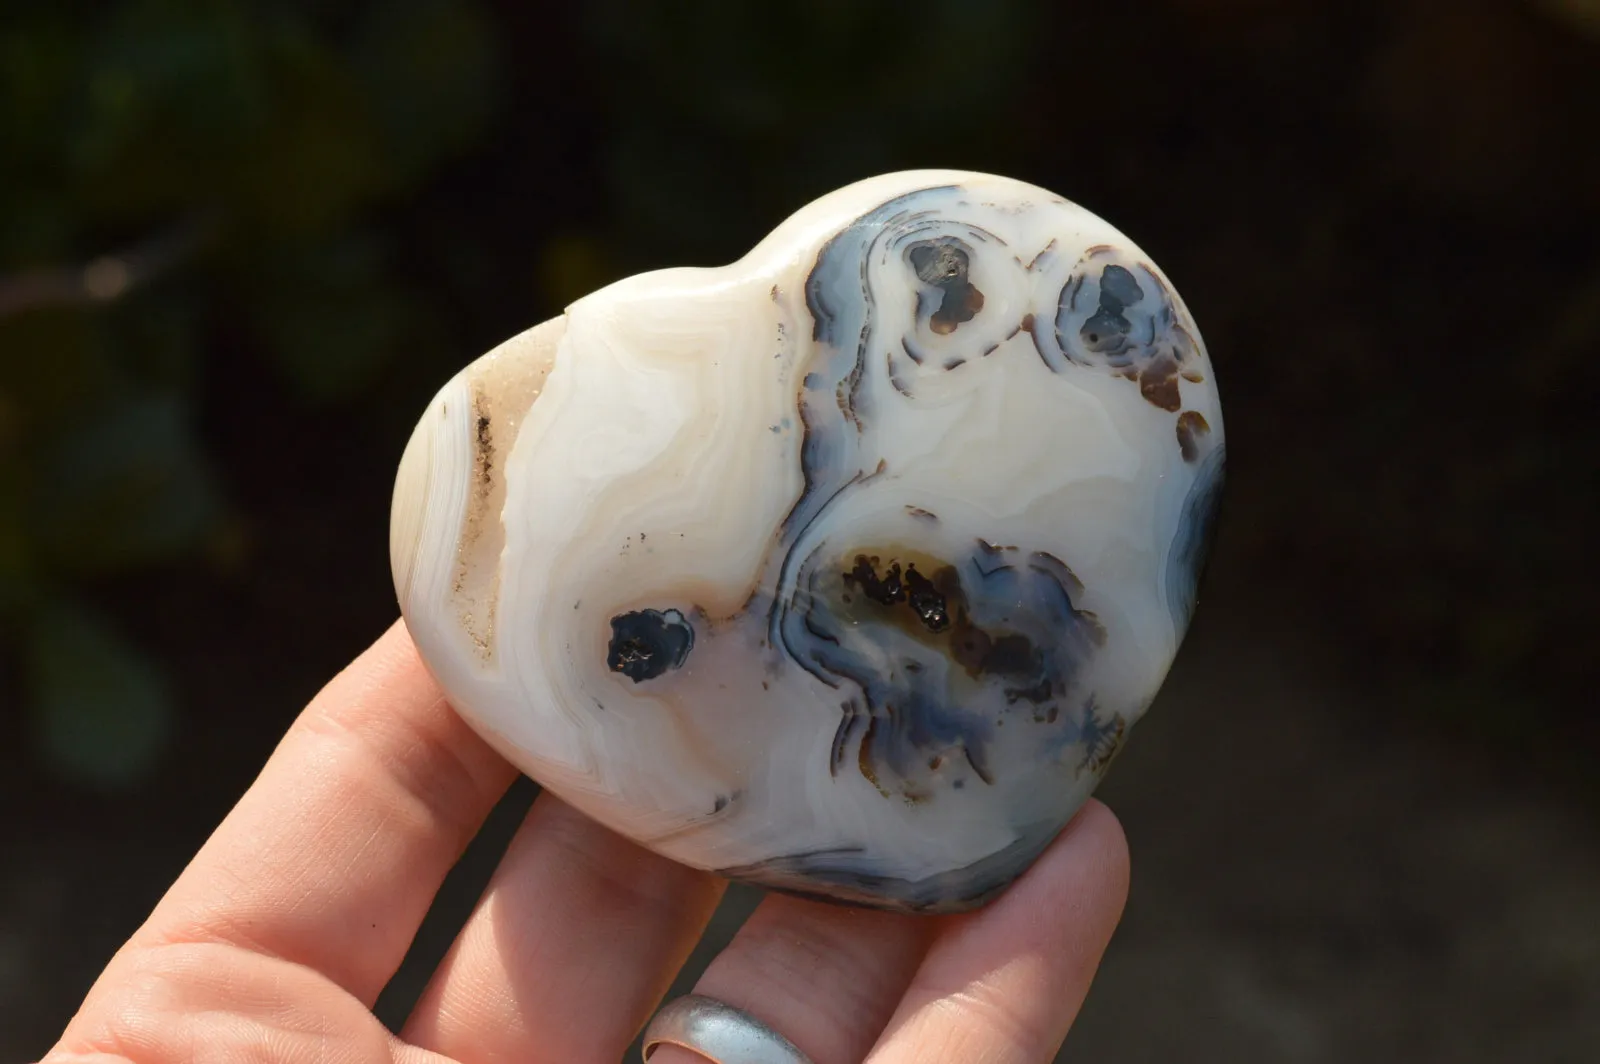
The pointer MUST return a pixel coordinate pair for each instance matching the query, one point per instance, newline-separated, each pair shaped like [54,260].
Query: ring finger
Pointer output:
[578,935]
[827,977]
[1000,984]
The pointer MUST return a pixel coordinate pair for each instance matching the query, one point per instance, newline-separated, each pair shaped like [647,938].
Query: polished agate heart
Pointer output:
[845,569]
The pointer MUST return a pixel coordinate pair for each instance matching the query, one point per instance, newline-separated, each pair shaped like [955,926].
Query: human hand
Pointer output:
[276,940]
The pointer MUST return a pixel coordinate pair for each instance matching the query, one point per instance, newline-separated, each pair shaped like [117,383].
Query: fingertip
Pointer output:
[1005,982]
[1085,871]
[1104,845]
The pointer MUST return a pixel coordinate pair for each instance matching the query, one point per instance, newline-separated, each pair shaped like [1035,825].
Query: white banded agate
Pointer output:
[845,569]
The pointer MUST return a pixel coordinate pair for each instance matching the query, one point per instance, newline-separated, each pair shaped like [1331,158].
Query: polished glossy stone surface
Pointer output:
[844,569]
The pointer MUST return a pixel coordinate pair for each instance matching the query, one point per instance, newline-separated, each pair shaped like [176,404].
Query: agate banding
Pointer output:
[845,569]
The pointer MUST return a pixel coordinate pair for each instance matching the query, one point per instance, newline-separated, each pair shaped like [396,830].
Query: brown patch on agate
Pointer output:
[845,396]
[1025,323]
[864,757]
[502,387]
[1192,428]
[483,442]
[928,599]
[1048,249]
[1031,327]
[1106,750]
[922,596]
[1158,383]
[945,321]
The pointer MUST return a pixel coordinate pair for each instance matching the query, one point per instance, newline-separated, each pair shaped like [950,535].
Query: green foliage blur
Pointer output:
[165,164]
[1383,212]
[183,175]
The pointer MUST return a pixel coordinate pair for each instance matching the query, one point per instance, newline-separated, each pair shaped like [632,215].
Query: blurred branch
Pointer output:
[106,278]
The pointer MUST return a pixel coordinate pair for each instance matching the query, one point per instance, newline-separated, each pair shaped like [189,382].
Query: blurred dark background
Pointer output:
[243,241]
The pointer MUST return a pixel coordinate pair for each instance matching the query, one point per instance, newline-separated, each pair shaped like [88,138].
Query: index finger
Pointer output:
[333,856]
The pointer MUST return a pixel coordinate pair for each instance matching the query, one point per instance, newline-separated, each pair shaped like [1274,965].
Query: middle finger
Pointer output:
[578,935]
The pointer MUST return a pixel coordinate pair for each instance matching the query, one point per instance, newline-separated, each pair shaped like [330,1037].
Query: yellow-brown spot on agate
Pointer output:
[1192,428]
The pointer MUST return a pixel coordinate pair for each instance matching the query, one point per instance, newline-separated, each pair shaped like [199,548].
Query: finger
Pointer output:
[578,935]
[1004,984]
[824,976]
[333,856]
[212,1002]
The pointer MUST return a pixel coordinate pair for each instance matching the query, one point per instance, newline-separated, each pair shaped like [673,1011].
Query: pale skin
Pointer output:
[276,940]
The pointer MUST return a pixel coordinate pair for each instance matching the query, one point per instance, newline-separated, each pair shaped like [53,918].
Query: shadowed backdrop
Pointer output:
[243,242]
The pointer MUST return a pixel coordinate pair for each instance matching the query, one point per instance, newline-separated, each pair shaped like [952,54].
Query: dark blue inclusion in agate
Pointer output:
[1196,526]
[842,305]
[1001,621]
[1006,623]
[929,655]
[647,643]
